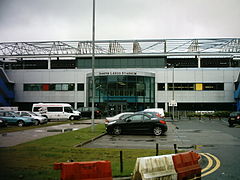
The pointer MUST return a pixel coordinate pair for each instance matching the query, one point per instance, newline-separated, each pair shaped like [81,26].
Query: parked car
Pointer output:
[160,111]
[56,111]
[121,115]
[234,118]
[138,123]
[3,122]
[87,112]
[14,119]
[38,118]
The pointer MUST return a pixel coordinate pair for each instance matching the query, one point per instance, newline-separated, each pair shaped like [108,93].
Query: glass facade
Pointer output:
[122,62]
[123,93]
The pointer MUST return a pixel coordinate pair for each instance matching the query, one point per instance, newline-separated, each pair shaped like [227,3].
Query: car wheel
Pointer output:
[157,131]
[117,130]
[20,123]
[37,122]
[71,118]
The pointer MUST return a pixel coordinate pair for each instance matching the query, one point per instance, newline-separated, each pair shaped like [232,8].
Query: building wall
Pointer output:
[162,75]
[198,75]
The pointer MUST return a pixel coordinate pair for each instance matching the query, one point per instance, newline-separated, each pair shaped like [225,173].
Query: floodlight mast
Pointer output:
[93,66]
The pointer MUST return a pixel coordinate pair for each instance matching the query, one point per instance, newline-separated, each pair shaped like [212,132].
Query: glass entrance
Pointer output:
[121,93]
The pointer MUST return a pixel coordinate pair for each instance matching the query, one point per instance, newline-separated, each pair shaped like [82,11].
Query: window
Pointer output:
[213,86]
[54,109]
[146,118]
[80,87]
[36,109]
[124,62]
[32,87]
[196,86]
[136,117]
[161,86]
[68,109]
[49,87]
[25,114]
[181,86]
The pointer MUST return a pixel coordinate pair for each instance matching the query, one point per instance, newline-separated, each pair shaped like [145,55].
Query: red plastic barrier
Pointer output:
[93,170]
[186,165]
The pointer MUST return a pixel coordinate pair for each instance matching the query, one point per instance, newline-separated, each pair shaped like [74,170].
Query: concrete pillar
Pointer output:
[166,106]
[49,63]
[199,61]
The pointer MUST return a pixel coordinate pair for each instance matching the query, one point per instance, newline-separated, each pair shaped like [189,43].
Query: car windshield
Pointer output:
[14,114]
[123,116]
[32,113]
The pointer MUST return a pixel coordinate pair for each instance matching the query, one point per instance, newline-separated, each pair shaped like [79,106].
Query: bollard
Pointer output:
[156,149]
[121,162]
[175,148]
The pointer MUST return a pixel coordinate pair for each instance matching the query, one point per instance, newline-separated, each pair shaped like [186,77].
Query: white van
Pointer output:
[158,110]
[56,111]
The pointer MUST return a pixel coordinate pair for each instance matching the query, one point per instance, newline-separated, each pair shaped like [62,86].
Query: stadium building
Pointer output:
[130,75]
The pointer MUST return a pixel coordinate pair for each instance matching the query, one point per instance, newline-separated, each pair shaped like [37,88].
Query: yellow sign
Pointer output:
[199,87]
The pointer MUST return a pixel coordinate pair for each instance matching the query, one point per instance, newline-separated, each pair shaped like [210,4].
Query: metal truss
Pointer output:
[164,47]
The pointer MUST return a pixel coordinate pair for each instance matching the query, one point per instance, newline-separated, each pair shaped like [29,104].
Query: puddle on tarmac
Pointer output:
[191,131]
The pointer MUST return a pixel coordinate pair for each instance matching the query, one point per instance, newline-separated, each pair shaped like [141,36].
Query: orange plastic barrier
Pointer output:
[186,165]
[93,170]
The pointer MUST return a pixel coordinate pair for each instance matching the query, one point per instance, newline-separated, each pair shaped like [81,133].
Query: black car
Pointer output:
[138,123]
[87,112]
[234,118]
[3,122]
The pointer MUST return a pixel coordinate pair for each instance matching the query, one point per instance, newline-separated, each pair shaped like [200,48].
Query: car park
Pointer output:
[3,122]
[138,123]
[38,118]
[234,118]
[14,119]
[87,112]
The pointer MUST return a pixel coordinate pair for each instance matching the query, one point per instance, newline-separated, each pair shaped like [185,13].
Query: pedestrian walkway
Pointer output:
[19,137]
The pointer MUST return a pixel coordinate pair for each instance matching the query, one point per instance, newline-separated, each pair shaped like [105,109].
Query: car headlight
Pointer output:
[1,121]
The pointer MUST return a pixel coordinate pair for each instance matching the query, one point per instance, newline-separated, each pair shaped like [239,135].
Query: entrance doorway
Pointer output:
[114,108]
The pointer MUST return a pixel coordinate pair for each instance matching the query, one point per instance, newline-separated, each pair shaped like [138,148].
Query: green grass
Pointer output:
[34,160]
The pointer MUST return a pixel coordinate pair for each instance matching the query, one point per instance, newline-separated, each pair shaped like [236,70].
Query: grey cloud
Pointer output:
[31,20]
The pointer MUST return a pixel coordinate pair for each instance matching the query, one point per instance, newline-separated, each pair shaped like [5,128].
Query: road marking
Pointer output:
[210,158]
[210,162]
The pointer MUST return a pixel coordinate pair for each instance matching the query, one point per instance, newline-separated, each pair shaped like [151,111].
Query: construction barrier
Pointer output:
[93,170]
[154,168]
[187,166]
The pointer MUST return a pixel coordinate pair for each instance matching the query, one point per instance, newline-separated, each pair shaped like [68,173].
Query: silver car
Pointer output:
[39,119]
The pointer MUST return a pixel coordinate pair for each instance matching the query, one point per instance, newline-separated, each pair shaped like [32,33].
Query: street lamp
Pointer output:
[93,65]
[173,98]
[172,103]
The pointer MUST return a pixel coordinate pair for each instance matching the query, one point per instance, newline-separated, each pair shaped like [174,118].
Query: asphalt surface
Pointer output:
[216,138]
[210,137]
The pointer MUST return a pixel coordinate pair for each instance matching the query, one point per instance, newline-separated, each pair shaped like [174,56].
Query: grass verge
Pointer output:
[35,159]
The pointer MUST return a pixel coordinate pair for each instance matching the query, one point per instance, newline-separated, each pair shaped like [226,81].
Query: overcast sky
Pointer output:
[38,20]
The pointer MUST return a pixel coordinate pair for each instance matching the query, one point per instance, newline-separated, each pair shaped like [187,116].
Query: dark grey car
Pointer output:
[234,118]
[138,123]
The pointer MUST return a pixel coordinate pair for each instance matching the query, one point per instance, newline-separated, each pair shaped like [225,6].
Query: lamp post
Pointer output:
[173,103]
[93,65]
